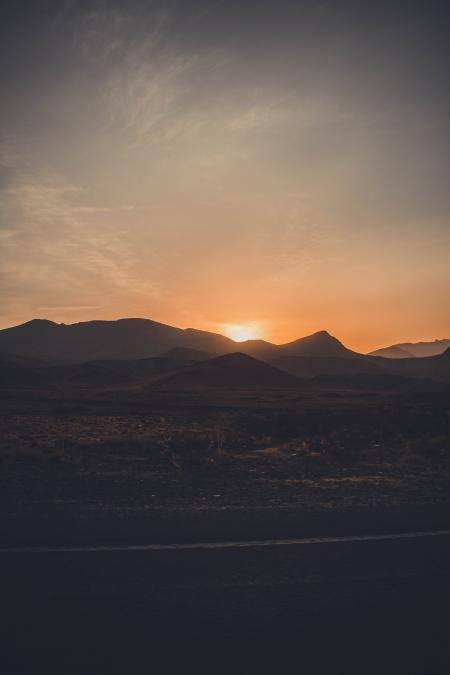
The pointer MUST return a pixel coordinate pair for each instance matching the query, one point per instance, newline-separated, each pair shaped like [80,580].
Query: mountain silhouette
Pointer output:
[311,366]
[187,355]
[406,350]
[94,340]
[259,349]
[375,382]
[90,374]
[320,344]
[143,350]
[434,367]
[232,371]
[144,338]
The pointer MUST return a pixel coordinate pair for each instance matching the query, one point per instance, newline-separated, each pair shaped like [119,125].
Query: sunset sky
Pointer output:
[281,166]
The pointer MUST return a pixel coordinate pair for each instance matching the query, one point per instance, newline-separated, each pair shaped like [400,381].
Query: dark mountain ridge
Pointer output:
[434,367]
[187,355]
[311,366]
[143,338]
[93,340]
[138,349]
[405,350]
[234,370]
[320,344]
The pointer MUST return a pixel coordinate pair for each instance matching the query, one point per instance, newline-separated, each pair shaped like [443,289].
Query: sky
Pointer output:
[279,166]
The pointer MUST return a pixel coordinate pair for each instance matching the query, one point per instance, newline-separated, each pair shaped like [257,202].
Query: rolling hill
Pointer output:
[92,374]
[406,350]
[105,340]
[187,355]
[44,340]
[311,366]
[141,350]
[434,367]
[320,344]
[235,370]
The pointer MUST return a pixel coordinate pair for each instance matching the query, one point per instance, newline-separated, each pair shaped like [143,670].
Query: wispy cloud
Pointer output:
[151,88]
[50,246]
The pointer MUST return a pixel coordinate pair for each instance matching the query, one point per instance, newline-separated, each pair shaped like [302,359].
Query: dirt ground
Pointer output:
[334,453]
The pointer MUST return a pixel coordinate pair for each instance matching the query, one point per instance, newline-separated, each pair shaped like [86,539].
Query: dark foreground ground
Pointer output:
[360,607]
[109,473]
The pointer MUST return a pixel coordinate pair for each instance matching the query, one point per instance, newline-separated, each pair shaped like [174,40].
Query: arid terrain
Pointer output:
[317,450]
[223,504]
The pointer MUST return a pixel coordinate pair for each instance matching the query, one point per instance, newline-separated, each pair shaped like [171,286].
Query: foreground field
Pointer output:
[115,471]
[323,451]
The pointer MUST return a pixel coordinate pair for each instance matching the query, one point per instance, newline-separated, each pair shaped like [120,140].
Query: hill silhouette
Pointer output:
[143,338]
[260,349]
[381,382]
[138,350]
[95,340]
[434,367]
[91,373]
[405,350]
[232,370]
[187,355]
[311,366]
[320,344]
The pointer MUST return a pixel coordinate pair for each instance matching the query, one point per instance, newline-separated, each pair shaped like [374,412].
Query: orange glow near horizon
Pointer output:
[215,184]
[241,332]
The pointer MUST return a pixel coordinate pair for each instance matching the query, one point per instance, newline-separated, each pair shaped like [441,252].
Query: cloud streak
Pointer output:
[188,162]
[52,248]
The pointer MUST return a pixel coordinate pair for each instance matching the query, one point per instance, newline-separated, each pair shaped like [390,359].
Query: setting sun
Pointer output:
[241,332]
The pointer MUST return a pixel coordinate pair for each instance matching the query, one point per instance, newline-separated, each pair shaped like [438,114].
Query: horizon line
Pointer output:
[237,342]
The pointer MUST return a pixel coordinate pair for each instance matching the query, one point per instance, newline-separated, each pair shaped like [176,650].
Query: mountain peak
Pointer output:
[136,338]
[325,333]
[230,370]
[319,344]
[40,322]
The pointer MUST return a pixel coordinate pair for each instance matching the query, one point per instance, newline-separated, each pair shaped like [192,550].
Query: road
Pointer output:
[370,604]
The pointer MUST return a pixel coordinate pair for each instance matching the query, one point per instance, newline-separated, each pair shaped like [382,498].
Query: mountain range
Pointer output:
[145,352]
[231,371]
[51,342]
[406,350]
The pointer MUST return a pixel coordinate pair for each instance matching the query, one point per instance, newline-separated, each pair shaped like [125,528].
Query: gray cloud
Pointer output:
[263,147]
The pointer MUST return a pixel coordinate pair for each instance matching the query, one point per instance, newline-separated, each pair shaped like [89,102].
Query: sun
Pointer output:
[241,332]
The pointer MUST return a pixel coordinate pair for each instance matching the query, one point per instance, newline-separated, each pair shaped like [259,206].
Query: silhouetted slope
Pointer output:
[84,374]
[116,347]
[320,344]
[393,352]
[90,374]
[142,369]
[434,367]
[143,338]
[232,370]
[311,366]
[381,382]
[93,340]
[187,355]
[259,349]
[25,361]
[413,349]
